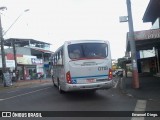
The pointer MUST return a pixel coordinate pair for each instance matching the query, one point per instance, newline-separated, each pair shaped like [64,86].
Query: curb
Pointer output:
[122,86]
[24,83]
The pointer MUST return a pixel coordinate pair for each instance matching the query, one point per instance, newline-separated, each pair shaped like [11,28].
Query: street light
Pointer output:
[2,42]
[13,42]
[15,21]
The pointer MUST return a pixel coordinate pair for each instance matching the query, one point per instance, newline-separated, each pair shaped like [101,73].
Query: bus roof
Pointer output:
[85,41]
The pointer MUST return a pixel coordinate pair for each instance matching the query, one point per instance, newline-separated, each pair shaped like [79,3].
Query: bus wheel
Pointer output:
[59,88]
[53,82]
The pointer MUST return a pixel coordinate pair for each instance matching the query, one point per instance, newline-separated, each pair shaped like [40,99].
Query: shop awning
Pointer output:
[41,50]
[152,11]
[145,40]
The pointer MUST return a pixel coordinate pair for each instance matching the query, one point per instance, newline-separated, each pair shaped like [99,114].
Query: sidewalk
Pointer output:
[22,83]
[149,88]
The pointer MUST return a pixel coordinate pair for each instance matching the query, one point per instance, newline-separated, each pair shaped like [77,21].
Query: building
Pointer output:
[27,56]
[148,41]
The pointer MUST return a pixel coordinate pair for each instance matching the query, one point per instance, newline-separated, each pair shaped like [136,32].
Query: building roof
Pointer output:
[22,42]
[152,11]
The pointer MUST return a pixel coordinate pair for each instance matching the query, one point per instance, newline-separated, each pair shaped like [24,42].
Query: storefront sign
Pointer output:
[22,60]
[36,61]
[9,63]
[147,34]
[25,59]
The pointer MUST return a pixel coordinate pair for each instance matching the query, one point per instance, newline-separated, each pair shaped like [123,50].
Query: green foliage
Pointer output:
[121,63]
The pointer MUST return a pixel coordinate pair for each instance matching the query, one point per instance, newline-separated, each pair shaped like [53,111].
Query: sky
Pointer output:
[56,21]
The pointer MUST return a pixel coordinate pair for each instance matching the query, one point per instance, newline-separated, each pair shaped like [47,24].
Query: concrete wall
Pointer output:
[19,50]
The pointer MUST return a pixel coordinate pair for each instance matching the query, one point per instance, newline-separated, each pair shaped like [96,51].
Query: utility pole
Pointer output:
[135,81]
[14,54]
[2,48]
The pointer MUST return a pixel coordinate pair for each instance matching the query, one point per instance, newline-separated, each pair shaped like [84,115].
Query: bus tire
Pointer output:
[59,88]
[53,82]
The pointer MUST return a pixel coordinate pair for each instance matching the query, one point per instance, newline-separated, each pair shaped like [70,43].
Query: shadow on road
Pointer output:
[84,95]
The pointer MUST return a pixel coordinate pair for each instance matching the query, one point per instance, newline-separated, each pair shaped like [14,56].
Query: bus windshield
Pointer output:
[87,51]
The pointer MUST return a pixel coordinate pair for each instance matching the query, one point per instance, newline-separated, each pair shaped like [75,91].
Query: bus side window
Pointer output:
[60,58]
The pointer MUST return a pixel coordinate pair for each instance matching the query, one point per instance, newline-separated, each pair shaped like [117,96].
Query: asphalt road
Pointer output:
[46,97]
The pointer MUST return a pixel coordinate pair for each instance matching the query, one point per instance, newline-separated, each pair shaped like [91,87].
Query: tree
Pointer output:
[121,62]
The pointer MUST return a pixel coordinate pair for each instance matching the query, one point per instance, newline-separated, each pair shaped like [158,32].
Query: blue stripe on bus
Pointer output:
[89,76]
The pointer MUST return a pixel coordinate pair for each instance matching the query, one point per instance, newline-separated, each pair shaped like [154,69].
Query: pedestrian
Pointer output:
[41,76]
[13,76]
[17,75]
[10,74]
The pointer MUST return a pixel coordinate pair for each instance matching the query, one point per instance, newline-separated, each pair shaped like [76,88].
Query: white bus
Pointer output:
[82,65]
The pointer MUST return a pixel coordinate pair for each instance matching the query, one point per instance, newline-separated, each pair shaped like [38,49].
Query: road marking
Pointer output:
[24,94]
[12,91]
[140,106]
[34,86]
[115,83]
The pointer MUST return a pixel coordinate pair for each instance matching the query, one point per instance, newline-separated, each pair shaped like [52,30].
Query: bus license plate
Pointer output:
[91,80]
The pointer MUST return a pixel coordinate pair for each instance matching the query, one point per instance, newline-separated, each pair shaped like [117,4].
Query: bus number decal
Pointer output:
[102,68]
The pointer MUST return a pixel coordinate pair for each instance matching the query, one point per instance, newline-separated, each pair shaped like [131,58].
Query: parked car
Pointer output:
[119,72]
[114,73]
